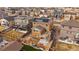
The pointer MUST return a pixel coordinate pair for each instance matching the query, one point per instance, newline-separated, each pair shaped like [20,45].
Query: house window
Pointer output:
[62,26]
[42,38]
[77,35]
[67,32]
[46,24]
[34,23]
[70,27]
[70,32]
[34,30]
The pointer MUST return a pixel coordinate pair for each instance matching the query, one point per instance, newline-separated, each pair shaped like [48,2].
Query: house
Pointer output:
[70,31]
[23,23]
[12,35]
[40,35]
[21,20]
[12,11]
[4,22]
[69,36]
[67,15]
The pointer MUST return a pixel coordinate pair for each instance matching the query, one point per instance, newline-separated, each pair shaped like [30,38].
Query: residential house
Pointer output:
[41,31]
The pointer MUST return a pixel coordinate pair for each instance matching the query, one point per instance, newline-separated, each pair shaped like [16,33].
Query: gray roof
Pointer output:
[72,23]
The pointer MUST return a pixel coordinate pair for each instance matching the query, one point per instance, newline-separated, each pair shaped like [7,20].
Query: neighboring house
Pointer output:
[58,13]
[23,22]
[3,42]
[70,30]
[69,36]
[67,15]
[4,22]
[1,39]
[12,12]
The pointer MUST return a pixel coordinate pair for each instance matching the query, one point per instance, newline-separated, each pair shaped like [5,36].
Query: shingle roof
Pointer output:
[72,23]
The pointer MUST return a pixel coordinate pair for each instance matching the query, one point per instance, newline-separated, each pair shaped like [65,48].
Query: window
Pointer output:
[34,23]
[46,24]
[42,38]
[77,35]
[70,27]
[63,26]
[35,31]
[70,32]
[67,32]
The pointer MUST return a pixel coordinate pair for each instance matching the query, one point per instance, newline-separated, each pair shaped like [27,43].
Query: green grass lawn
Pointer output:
[29,48]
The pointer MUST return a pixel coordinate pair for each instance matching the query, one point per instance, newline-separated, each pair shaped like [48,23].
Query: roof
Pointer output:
[72,13]
[41,19]
[9,18]
[72,23]
[23,17]
[43,41]
[38,28]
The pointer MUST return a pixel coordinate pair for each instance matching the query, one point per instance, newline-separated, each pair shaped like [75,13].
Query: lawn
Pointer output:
[29,48]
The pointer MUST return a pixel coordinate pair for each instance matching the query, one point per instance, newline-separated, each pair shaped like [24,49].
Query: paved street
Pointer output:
[13,46]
